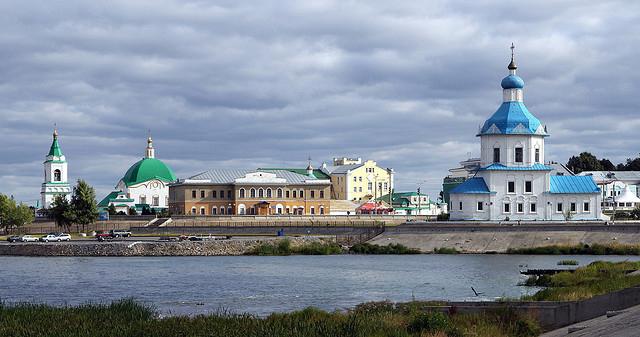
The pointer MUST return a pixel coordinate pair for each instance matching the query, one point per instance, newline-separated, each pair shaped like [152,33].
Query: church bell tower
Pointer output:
[55,175]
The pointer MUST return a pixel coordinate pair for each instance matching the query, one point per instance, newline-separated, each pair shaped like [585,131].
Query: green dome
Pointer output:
[148,169]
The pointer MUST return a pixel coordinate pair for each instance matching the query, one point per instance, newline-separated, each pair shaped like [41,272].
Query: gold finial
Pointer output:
[55,131]
[149,140]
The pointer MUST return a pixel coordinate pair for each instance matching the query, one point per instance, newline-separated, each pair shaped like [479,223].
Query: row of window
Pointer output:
[381,187]
[155,200]
[518,155]
[252,210]
[511,187]
[533,208]
[259,193]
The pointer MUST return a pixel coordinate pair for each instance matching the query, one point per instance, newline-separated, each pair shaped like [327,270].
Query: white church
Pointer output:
[145,185]
[513,182]
[55,175]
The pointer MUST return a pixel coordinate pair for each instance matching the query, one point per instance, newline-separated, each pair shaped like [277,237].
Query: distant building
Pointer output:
[614,184]
[412,203]
[251,192]
[458,175]
[513,182]
[145,185]
[55,175]
[358,181]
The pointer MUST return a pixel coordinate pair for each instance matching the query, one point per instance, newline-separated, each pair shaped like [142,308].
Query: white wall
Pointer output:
[507,145]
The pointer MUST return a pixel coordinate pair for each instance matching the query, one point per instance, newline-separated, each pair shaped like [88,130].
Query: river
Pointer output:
[261,285]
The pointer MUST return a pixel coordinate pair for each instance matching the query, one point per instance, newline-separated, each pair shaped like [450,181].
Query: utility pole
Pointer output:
[419,199]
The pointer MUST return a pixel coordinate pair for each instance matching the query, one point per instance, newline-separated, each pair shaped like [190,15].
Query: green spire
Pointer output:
[55,147]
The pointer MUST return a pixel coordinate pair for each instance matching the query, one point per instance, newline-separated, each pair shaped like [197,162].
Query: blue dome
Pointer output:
[512,82]
[512,118]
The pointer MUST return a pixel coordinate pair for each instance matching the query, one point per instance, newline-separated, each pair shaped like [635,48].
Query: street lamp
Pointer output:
[612,176]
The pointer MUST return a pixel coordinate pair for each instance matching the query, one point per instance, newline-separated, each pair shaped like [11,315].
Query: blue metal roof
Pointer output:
[512,82]
[573,184]
[512,118]
[471,186]
[500,167]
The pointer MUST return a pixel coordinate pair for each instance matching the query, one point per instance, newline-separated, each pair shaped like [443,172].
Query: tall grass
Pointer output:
[128,319]
[284,248]
[594,279]
[582,249]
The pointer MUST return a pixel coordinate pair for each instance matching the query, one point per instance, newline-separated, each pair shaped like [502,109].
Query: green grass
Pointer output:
[445,250]
[583,249]
[568,263]
[127,318]
[585,282]
[393,248]
[284,248]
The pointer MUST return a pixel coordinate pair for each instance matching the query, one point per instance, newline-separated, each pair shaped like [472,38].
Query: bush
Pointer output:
[595,249]
[443,217]
[393,248]
[445,250]
[567,263]
[284,248]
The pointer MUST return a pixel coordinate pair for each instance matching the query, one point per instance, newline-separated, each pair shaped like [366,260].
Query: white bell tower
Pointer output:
[55,175]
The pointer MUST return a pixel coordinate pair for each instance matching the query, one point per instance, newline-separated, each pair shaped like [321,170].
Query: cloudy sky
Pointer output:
[244,84]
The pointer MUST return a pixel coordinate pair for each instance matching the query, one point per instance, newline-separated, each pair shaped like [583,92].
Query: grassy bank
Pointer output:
[584,249]
[128,319]
[284,248]
[594,279]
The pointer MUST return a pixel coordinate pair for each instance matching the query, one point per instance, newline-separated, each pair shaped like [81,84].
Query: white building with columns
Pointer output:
[55,175]
[513,182]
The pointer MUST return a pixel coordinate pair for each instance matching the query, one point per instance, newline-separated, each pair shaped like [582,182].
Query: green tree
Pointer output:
[132,211]
[112,209]
[61,212]
[584,162]
[13,215]
[83,204]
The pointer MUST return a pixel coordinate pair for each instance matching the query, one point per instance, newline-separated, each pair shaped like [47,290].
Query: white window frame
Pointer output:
[514,187]
[480,206]
[504,208]
[525,186]
[535,205]
[519,205]
[561,204]
[588,208]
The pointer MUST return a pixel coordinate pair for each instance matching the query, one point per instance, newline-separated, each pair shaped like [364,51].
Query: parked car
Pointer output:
[117,233]
[56,237]
[102,235]
[29,238]
[13,238]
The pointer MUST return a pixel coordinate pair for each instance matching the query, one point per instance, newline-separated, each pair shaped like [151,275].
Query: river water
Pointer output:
[261,285]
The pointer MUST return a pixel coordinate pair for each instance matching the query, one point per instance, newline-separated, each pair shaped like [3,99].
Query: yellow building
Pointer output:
[355,180]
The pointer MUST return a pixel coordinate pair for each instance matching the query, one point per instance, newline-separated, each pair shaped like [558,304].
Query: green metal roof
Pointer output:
[55,148]
[318,174]
[148,169]
[105,202]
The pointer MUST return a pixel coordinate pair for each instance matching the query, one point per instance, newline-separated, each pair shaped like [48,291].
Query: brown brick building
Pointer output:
[250,192]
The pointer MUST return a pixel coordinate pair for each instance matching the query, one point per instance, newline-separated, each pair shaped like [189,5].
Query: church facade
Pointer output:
[513,182]
[55,175]
[145,185]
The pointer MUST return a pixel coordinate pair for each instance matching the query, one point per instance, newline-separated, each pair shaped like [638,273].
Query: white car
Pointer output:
[56,237]
[29,238]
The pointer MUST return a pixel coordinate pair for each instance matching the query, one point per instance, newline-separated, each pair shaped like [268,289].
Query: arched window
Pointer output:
[193,210]
[57,175]
[241,193]
[202,212]
[143,199]
[294,194]
[301,194]
[253,192]
[279,193]
[229,210]
[268,192]
[214,210]
[222,210]
[260,193]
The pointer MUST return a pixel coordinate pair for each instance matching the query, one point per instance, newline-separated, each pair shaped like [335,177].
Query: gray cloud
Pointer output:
[267,83]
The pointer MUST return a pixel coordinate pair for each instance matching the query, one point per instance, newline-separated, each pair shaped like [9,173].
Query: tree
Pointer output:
[83,204]
[13,215]
[607,165]
[584,162]
[132,211]
[112,209]
[61,212]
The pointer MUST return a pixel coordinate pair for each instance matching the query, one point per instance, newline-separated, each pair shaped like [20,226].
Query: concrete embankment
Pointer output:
[145,248]
[483,239]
